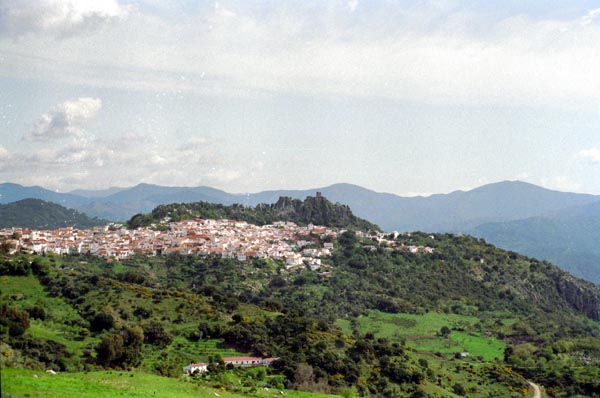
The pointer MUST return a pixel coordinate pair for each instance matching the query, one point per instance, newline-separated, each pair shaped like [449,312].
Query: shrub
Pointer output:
[102,321]
[13,321]
[154,333]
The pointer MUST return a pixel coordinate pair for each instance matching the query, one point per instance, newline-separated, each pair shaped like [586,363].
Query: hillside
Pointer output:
[39,214]
[374,320]
[568,238]
[315,210]
[460,211]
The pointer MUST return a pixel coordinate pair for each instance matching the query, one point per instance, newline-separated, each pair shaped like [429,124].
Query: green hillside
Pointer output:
[568,238]
[21,383]
[312,210]
[39,214]
[466,320]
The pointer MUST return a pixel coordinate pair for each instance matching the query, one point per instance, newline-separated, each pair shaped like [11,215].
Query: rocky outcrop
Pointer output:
[579,294]
[315,210]
[319,211]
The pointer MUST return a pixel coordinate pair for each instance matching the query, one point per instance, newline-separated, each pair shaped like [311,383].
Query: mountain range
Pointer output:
[557,226]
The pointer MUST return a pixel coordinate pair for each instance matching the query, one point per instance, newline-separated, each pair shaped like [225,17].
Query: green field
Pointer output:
[421,332]
[17,383]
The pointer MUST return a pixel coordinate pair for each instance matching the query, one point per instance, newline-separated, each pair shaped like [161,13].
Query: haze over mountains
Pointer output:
[557,226]
[569,238]
[459,210]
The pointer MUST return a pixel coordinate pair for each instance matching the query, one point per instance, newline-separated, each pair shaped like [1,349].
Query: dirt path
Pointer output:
[537,393]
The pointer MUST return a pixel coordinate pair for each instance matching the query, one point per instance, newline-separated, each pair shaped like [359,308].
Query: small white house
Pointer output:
[195,367]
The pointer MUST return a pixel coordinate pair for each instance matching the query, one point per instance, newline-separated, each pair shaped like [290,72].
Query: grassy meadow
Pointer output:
[21,383]
[422,332]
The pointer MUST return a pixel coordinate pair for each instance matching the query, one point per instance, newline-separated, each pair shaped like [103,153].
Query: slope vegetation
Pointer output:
[39,214]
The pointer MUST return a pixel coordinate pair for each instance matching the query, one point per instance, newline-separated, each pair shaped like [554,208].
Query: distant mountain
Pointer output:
[12,192]
[458,211]
[569,238]
[142,198]
[312,210]
[157,193]
[86,193]
[118,204]
[115,212]
[39,214]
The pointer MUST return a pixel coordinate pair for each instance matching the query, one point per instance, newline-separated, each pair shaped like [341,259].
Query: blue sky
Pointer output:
[408,97]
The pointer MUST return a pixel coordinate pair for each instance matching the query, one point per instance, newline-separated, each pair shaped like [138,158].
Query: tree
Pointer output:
[347,239]
[14,321]
[132,343]
[459,389]
[101,321]
[37,312]
[304,377]
[109,349]
[445,331]
[6,247]
[122,348]
[154,333]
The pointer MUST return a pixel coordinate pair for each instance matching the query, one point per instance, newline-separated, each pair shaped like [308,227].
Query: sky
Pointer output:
[411,97]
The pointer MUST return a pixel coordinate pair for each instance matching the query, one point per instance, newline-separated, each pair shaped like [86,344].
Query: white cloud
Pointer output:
[523,176]
[415,194]
[222,11]
[4,154]
[590,16]
[65,119]
[78,158]
[430,53]
[561,183]
[5,159]
[58,17]
[97,163]
[591,154]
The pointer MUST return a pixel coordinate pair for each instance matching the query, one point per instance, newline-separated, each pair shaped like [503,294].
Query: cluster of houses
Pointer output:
[242,362]
[294,245]
[284,241]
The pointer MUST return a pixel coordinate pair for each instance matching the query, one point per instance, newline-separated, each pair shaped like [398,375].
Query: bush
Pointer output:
[154,333]
[459,389]
[13,321]
[102,321]
[121,349]
[37,312]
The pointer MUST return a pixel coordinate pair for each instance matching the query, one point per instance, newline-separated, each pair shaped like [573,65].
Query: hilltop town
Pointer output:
[297,246]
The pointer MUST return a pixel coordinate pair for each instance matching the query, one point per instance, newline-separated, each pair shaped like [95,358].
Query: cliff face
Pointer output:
[580,295]
[319,211]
